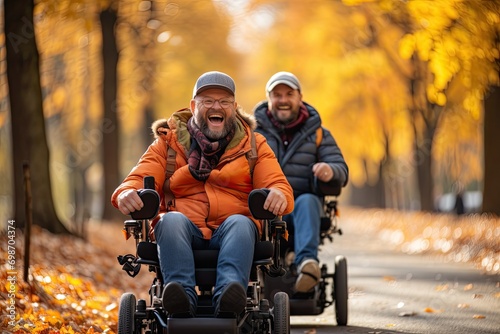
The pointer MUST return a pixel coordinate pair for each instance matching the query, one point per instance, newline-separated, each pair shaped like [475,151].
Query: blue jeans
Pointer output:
[306,220]
[177,236]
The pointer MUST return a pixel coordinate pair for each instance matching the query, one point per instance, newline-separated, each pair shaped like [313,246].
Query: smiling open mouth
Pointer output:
[216,119]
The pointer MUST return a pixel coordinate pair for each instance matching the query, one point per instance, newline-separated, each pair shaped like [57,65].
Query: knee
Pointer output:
[174,222]
[308,201]
[241,225]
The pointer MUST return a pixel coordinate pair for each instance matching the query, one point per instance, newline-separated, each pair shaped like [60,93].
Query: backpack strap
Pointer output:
[169,171]
[170,162]
[319,139]
[252,154]
[319,136]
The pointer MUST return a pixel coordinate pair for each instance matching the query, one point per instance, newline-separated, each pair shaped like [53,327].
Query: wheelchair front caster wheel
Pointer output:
[281,313]
[126,312]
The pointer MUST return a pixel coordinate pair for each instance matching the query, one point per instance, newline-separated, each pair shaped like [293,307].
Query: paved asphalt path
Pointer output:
[392,292]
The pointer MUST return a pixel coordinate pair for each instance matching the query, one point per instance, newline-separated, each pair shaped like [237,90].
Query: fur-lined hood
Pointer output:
[160,126]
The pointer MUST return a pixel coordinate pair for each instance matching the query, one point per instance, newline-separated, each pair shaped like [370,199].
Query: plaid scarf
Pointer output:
[287,131]
[204,154]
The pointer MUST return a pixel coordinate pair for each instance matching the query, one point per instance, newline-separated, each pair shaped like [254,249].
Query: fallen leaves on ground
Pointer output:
[441,287]
[407,314]
[389,278]
[473,238]
[74,287]
[56,301]
[432,310]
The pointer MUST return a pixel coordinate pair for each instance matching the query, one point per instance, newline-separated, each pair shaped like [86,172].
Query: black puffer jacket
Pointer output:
[302,153]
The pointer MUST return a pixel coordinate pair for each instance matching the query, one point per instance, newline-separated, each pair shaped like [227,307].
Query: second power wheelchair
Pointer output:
[260,315]
[315,302]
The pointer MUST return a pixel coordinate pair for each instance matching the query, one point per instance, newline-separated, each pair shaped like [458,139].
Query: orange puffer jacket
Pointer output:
[209,203]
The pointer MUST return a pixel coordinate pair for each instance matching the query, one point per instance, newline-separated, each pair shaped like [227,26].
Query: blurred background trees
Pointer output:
[30,153]
[401,84]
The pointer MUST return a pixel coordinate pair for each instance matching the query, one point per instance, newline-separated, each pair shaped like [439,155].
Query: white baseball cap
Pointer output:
[285,78]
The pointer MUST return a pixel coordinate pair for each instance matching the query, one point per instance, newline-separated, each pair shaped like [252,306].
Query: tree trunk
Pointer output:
[147,133]
[110,156]
[491,197]
[424,118]
[423,162]
[29,142]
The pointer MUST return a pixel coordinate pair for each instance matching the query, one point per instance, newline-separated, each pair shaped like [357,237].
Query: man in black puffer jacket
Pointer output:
[305,151]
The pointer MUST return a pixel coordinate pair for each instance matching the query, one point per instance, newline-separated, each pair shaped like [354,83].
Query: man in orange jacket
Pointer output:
[204,201]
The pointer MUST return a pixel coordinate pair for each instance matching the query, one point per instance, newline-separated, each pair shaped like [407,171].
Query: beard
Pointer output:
[285,117]
[229,125]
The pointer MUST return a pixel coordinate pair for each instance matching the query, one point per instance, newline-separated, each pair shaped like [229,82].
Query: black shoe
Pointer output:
[176,301]
[232,301]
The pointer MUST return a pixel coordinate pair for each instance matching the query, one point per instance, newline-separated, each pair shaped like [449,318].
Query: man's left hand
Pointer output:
[322,171]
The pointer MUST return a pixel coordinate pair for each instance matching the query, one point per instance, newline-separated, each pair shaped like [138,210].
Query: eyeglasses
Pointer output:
[209,103]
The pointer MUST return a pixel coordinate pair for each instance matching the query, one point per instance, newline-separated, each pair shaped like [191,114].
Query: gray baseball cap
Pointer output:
[285,78]
[214,79]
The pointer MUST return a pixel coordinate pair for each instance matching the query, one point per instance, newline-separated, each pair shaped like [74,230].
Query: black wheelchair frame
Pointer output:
[260,315]
[315,302]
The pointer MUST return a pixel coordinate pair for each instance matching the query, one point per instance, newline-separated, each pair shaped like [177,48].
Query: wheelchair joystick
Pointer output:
[149,182]
[276,271]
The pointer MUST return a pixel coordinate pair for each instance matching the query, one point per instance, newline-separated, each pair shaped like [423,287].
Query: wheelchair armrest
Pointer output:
[150,198]
[151,201]
[256,200]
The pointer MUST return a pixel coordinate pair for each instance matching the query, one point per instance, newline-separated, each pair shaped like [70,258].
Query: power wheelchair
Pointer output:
[141,316]
[315,302]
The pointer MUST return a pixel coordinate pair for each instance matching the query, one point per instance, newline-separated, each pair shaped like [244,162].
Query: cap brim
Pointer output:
[203,88]
[282,82]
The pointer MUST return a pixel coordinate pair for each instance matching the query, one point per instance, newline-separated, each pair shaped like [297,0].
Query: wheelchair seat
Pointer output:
[205,259]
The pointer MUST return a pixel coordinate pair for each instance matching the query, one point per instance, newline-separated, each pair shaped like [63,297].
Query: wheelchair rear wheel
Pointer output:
[126,324]
[340,290]
[281,313]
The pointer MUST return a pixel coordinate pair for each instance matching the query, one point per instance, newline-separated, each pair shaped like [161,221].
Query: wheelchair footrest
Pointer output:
[201,325]
[129,264]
